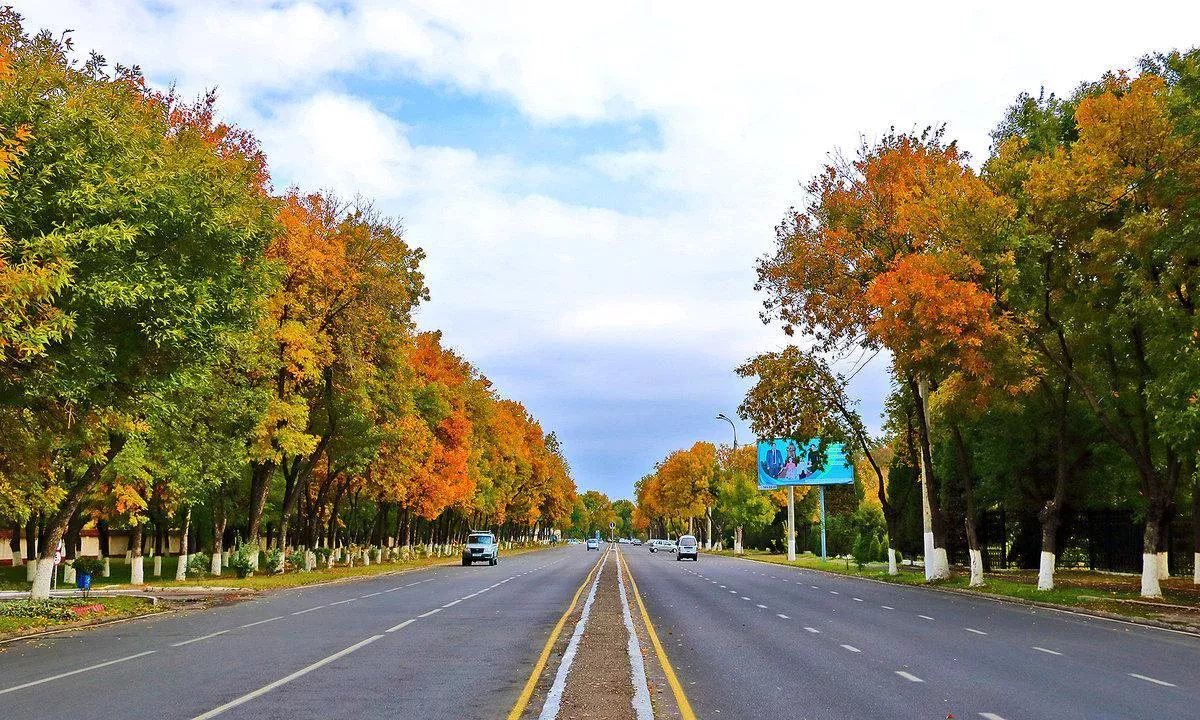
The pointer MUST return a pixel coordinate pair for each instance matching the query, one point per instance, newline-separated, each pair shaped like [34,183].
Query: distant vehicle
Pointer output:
[623,541]
[635,541]
[664,545]
[574,541]
[481,546]
[688,547]
[593,544]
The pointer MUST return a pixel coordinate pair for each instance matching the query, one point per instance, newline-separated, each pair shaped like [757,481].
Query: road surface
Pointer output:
[746,640]
[753,640]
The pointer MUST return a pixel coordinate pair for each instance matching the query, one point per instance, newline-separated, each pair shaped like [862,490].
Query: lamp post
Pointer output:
[708,536]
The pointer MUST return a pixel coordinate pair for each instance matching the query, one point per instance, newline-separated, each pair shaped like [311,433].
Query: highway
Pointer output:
[751,640]
[745,639]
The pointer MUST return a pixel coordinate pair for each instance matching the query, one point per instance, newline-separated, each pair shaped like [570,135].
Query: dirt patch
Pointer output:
[599,686]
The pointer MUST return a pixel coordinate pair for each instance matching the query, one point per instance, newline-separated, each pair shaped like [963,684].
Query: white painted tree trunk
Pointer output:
[1196,567]
[214,565]
[254,559]
[137,573]
[107,568]
[225,558]
[181,567]
[976,568]
[939,569]
[280,566]
[68,574]
[158,566]
[1046,571]
[1164,571]
[892,569]
[31,570]
[43,570]
[1150,586]
[366,558]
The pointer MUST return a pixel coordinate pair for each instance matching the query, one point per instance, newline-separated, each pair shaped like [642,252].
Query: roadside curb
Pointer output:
[1190,630]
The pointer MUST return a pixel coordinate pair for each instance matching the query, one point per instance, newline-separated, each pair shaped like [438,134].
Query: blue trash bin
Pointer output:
[83,581]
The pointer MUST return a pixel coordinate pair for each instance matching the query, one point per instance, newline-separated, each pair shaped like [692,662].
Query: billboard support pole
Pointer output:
[791,528]
[821,488]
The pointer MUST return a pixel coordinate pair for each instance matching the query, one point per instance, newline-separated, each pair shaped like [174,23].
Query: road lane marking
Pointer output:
[97,666]
[812,630]
[301,612]
[924,617]
[781,615]
[814,587]
[285,680]
[852,649]
[452,603]
[745,598]
[527,692]
[764,607]
[370,594]
[198,639]
[685,707]
[261,622]
[342,602]
[834,592]
[1048,652]
[431,612]
[909,676]
[990,716]
[887,607]
[402,625]
[642,706]
[1150,679]
[973,630]
[554,695]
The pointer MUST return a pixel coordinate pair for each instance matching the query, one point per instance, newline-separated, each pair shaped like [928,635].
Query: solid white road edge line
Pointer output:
[1164,683]
[283,681]
[637,666]
[198,639]
[554,697]
[97,666]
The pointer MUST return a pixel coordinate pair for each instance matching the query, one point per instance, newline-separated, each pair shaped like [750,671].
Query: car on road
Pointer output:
[574,541]
[593,544]
[660,544]
[481,546]
[635,541]
[688,547]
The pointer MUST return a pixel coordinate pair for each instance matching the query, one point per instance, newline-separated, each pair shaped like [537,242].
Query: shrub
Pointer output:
[47,609]
[240,561]
[274,560]
[296,560]
[199,564]
[88,565]
[864,547]
[322,553]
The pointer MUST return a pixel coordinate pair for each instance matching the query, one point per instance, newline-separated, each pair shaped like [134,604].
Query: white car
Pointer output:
[666,545]
[688,546]
[593,544]
[481,546]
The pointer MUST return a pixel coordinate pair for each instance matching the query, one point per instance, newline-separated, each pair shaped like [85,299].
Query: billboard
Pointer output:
[791,462]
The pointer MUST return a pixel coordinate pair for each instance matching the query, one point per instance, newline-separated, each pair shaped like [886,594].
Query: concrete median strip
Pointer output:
[554,698]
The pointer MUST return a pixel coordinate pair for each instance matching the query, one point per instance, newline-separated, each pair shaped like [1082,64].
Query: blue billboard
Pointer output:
[791,462]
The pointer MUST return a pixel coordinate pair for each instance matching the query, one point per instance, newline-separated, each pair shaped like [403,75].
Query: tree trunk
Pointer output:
[136,571]
[1196,527]
[937,564]
[1150,585]
[218,527]
[57,525]
[261,475]
[181,567]
[14,543]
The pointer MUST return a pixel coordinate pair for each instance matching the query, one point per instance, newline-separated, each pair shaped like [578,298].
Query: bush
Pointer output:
[88,565]
[199,564]
[274,560]
[240,561]
[322,553]
[46,609]
[296,560]
[864,549]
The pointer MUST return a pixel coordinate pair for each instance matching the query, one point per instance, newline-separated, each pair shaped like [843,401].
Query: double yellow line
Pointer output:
[685,708]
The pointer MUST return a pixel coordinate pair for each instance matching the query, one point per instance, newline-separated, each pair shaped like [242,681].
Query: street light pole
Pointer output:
[708,535]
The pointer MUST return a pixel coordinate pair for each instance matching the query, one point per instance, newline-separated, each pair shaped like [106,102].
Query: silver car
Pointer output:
[481,546]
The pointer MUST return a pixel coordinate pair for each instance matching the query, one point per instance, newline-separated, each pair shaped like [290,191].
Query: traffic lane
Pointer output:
[1116,648]
[196,644]
[467,661]
[952,651]
[733,664]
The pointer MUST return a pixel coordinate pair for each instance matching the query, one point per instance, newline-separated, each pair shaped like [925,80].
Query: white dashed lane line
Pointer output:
[781,615]
[990,716]
[909,676]
[198,639]
[852,649]
[342,602]
[261,622]
[431,612]
[1164,683]
[924,617]
[76,672]
[764,607]
[1048,652]
[887,607]
[973,630]
[402,625]
[858,600]
[812,630]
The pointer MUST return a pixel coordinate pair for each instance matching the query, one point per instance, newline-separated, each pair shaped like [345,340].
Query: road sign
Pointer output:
[611,524]
[59,552]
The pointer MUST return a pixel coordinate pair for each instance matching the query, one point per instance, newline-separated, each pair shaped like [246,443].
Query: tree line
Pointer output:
[1039,313]
[180,342]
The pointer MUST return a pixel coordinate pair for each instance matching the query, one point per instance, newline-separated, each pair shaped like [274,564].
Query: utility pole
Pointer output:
[708,510]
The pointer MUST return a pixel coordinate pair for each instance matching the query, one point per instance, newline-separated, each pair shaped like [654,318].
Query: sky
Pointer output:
[593,182]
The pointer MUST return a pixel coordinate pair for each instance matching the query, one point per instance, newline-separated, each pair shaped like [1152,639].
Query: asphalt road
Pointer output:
[752,640]
[445,642]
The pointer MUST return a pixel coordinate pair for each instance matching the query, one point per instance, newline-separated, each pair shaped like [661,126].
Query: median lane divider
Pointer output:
[685,707]
[527,692]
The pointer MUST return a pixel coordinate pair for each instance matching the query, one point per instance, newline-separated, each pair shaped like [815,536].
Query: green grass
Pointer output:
[13,578]
[114,608]
[1074,589]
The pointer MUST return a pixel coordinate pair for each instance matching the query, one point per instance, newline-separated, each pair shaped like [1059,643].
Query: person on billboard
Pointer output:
[791,467]
[772,467]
